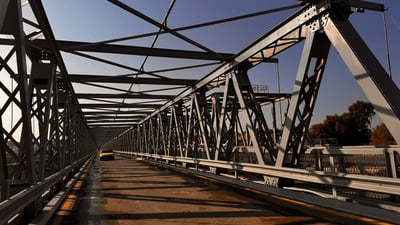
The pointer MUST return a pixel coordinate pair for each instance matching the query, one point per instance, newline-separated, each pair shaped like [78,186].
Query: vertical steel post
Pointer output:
[4,181]
[215,116]
[56,126]
[162,120]
[391,163]
[45,143]
[151,136]
[191,130]
[242,83]
[302,102]
[204,122]
[22,79]
[223,144]
[178,120]
[3,11]
[145,137]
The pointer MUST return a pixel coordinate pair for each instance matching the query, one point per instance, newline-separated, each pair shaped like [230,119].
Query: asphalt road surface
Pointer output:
[128,191]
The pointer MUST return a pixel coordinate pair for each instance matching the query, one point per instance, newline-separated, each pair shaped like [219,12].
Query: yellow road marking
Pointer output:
[69,202]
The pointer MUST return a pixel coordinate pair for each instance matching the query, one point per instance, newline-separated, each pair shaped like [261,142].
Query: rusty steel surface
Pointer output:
[127,191]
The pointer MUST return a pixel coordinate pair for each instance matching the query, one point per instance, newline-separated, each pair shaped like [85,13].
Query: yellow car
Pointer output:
[106,155]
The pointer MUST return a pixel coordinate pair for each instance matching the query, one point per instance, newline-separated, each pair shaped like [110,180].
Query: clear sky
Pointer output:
[98,20]
[95,20]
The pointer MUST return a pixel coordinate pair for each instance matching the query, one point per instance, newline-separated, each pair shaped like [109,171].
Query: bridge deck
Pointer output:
[126,191]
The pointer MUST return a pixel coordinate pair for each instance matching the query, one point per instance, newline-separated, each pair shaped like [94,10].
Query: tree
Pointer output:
[380,135]
[350,128]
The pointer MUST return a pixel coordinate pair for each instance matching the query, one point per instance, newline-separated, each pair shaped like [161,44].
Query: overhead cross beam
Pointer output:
[81,78]
[125,105]
[100,117]
[70,46]
[112,121]
[163,27]
[114,112]
[125,96]
[116,125]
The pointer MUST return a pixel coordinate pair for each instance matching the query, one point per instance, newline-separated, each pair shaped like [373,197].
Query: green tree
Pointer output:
[350,128]
[380,135]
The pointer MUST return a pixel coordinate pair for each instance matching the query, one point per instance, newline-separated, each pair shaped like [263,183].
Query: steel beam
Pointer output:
[84,78]
[162,138]
[151,136]
[44,24]
[45,113]
[208,135]
[91,122]
[56,132]
[69,46]
[177,130]
[125,96]
[194,26]
[163,27]
[4,175]
[113,117]
[194,132]
[302,102]
[373,79]
[256,125]
[3,11]
[288,33]
[26,135]
[367,5]
[225,139]
[108,112]
[112,125]
[124,105]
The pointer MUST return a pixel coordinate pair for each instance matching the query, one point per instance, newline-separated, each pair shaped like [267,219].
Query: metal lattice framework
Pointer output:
[199,125]
[215,122]
[43,140]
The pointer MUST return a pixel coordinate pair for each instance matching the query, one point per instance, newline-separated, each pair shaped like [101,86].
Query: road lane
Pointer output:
[127,191]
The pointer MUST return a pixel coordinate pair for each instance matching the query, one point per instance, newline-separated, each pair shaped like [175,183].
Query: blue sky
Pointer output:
[96,20]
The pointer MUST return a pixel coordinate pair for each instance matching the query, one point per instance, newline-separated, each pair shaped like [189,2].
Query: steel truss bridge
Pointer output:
[214,124]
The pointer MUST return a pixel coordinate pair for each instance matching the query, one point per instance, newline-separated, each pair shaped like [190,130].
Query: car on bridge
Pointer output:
[106,155]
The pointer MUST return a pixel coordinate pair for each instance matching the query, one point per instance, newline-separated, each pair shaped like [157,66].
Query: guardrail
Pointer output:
[387,185]
[381,161]
[17,203]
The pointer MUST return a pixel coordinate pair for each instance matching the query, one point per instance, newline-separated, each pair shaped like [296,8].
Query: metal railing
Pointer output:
[318,174]
[16,204]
